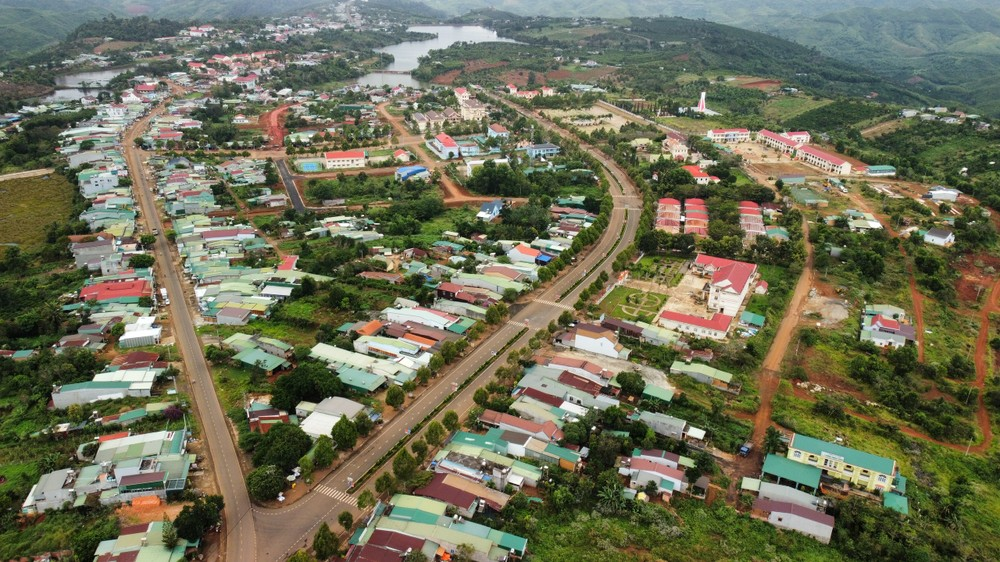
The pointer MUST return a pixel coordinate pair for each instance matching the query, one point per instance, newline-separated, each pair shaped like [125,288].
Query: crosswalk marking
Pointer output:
[516,323]
[555,304]
[337,495]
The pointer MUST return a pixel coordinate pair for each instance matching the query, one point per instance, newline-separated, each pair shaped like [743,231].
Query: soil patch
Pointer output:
[765,85]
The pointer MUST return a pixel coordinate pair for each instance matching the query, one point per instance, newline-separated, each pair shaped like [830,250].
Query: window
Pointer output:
[848,468]
[797,455]
[829,463]
[881,478]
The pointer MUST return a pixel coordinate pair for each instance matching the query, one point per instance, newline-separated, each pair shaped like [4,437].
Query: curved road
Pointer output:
[272,534]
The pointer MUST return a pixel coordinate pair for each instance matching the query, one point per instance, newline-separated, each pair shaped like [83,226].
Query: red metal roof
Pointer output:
[718,321]
[446,141]
[344,155]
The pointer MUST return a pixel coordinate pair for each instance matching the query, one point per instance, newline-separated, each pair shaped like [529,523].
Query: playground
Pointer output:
[633,304]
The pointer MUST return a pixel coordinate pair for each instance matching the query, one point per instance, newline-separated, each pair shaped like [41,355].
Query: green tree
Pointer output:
[283,445]
[346,520]
[385,484]
[450,420]
[510,294]
[306,466]
[419,448]
[772,440]
[363,424]
[481,396]
[193,520]
[436,363]
[265,483]
[424,375]
[632,383]
[344,434]
[85,542]
[325,543]
[366,499]
[301,556]
[395,397]
[323,455]
[434,433]
[404,466]
[140,261]
[170,537]
[448,351]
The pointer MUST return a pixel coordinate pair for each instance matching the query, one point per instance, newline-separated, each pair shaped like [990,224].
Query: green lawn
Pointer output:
[30,205]
[631,304]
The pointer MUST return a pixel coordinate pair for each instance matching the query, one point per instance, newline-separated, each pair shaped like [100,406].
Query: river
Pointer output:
[68,86]
[407,54]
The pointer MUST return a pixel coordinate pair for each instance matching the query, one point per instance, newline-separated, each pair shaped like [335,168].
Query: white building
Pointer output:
[791,517]
[344,159]
[728,135]
[594,339]
[730,284]
[939,237]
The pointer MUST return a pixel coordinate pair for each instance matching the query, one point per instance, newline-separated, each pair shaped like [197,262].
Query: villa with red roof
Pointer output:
[699,175]
[444,147]
[344,159]
[462,94]
[730,285]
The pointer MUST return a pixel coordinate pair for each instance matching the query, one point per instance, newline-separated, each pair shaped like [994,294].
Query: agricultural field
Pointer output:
[30,205]
[782,108]
[632,304]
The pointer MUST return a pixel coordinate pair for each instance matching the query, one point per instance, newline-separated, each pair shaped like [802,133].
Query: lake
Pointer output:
[68,85]
[407,54]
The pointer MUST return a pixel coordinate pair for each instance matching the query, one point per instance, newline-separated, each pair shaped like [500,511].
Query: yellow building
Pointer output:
[863,470]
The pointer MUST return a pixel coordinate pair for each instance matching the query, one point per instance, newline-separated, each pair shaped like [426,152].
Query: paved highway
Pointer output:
[239,530]
[256,533]
[286,178]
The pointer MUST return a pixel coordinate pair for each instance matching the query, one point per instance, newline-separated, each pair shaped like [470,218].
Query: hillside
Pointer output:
[25,26]
[947,53]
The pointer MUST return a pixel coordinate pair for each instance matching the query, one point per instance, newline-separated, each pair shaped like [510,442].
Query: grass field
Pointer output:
[630,304]
[31,204]
[785,107]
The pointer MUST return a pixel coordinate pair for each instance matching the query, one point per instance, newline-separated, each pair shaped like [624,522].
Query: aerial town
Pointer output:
[370,281]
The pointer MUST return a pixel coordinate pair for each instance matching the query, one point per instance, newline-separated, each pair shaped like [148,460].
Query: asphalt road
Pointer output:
[238,528]
[289,181]
[253,532]
[281,531]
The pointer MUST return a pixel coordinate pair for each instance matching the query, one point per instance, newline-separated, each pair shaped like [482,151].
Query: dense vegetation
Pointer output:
[127,29]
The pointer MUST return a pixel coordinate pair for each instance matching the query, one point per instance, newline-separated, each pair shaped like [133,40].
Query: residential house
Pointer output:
[868,471]
[319,419]
[703,374]
[542,150]
[490,210]
[344,159]
[444,147]
[939,237]
[792,517]
[730,282]
[594,339]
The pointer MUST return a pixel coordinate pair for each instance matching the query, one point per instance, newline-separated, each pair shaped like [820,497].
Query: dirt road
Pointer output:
[27,174]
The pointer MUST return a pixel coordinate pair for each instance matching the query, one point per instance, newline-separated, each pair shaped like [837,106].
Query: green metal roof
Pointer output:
[850,456]
[700,369]
[657,392]
[258,357]
[896,502]
[787,469]
[752,319]
[360,379]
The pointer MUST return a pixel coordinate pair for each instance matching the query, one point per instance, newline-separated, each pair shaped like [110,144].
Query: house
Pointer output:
[594,339]
[716,327]
[522,253]
[824,160]
[703,374]
[868,471]
[541,150]
[344,159]
[700,177]
[792,517]
[261,416]
[320,418]
[472,110]
[444,147]
[667,479]
[490,210]
[939,237]
[881,171]
[142,542]
[885,330]
[497,130]
[730,284]
[462,94]
[545,431]
[728,135]
[407,173]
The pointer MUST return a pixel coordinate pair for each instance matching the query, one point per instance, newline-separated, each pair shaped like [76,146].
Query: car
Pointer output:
[745,449]
[156,232]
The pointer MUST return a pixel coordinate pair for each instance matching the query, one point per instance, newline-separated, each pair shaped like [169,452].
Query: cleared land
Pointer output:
[31,204]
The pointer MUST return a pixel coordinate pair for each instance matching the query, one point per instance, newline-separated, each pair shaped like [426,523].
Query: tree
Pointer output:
[450,420]
[436,362]
[366,499]
[632,383]
[301,556]
[481,396]
[325,543]
[265,483]
[772,440]
[140,261]
[193,520]
[434,434]
[363,424]
[424,375]
[395,397]
[344,434]
[147,240]
[170,537]
[385,484]
[448,351]
[306,466]
[419,448]
[404,466]
[85,542]
[566,318]
[324,454]
[346,520]
[282,446]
